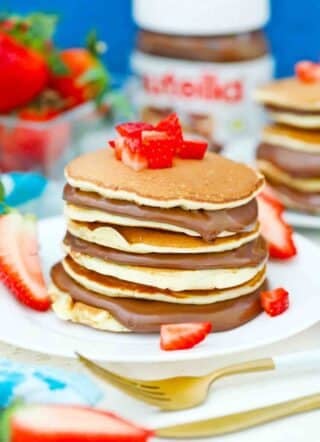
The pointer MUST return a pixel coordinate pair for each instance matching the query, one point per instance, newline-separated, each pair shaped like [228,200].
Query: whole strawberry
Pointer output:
[23,75]
[86,78]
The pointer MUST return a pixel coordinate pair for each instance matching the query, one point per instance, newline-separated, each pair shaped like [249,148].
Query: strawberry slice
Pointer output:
[52,423]
[134,160]
[20,268]
[275,302]
[132,129]
[172,127]
[158,148]
[307,71]
[277,233]
[183,336]
[193,149]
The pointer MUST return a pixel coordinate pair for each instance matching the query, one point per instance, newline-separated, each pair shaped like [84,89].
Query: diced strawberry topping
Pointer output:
[308,71]
[63,423]
[20,267]
[134,160]
[158,148]
[275,230]
[133,144]
[132,130]
[172,127]
[142,145]
[275,302]
[193,149]
[183,336]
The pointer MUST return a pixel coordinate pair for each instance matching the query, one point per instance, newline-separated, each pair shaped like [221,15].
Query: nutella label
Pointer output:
[213,99]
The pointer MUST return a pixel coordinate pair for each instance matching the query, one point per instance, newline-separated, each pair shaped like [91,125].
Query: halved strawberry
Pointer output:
[158,148]
[277,233]
[269,194]
[307,71]
[134,160]
[275,302]
[132,129]
[193,149]
[63,423]
[183,336]
[172,127]
[20,267]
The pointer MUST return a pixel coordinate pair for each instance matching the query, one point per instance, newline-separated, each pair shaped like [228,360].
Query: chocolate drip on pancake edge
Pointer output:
[209,224]
[307,201]
[296,163]
[147,316]
[251,254]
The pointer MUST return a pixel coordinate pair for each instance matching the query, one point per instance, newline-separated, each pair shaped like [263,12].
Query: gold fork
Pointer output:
[188,391]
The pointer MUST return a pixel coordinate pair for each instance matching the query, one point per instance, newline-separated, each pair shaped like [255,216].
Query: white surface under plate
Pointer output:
[243,150]
[45,333]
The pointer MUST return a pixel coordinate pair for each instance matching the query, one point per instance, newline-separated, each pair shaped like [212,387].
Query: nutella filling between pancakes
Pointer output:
[296,163]
[248,255]
[147,316]
[209,224]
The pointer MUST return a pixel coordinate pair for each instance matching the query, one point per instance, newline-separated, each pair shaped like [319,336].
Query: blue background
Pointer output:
[293,31]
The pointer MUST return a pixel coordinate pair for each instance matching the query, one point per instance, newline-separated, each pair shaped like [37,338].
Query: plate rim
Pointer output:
[198,353]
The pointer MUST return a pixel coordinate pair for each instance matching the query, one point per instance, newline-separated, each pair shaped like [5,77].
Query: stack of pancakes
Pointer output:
[289,153]
[160,246]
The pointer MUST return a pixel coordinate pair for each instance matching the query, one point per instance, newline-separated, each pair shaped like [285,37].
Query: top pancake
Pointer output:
[290,93]
[292,138]
[212,183]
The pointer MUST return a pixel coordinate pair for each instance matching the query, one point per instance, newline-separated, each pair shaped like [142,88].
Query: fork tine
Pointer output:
[129,386]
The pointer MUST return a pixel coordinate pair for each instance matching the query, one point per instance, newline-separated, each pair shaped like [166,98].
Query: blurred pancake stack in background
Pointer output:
[289,152]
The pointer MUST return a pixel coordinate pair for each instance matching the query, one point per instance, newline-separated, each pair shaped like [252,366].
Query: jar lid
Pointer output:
[201,17]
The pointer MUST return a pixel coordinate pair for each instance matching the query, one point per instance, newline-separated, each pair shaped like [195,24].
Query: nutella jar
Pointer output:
[202,59]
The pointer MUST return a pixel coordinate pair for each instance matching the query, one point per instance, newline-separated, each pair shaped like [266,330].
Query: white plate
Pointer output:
[45,333]
[243,150]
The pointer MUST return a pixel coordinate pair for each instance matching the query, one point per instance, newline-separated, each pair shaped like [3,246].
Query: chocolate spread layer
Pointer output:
[209,224]
[295,163]
[248,255]
[291,110]
[219,49]
[308,201]
[143,316]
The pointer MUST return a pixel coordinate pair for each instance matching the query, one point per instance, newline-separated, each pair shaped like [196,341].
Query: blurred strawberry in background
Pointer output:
[86,77]
[23,74]
[38,83]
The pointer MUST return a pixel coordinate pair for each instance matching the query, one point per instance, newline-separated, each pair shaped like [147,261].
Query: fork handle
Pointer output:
[240,421]
[297,361]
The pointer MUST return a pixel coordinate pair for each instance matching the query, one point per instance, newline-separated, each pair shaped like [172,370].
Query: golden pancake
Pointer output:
[73,302]
[175,280]
[140,240]
[290,93]
[212,183]
[79,313]
[303,121]
[113,287]
[280,176]
[292,138]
